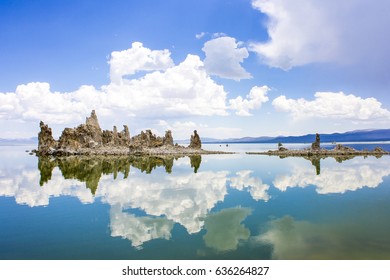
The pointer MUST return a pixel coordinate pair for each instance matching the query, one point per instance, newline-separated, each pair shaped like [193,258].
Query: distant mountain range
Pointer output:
[350,136]
[19,142]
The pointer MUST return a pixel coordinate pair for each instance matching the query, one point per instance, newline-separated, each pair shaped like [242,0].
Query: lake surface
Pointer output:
[235,206]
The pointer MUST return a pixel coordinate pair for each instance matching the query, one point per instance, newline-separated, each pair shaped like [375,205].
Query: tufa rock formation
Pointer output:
[113,138]
[343,148]
[339,152]
[146,139]
[89,138]
[46,142]
[195,142]
[379,150]
[316,144]
[168,139]
[88,135]
[281,148]
[92,121]
[81,139]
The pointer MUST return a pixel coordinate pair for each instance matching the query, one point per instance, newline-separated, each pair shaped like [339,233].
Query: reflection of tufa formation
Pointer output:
[89,138]
[315,153]
[90,169]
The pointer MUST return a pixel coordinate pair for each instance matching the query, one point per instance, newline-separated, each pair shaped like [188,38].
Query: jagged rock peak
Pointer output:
[126,132]
[89,139]
[316,144]
[124,136]
[379,150]
[46,142]
[340,147]
[195,141]
[146,139]
[168,139]
[84,136]
[93,120]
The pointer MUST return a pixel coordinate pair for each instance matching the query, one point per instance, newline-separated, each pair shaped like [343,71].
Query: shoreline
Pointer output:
[187,151]
[122,151]
[322,152]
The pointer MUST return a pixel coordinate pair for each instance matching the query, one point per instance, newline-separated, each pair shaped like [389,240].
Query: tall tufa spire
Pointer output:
[93,120]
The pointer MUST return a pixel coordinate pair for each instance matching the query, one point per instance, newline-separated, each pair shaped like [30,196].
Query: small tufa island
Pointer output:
[316,150]
[90,139]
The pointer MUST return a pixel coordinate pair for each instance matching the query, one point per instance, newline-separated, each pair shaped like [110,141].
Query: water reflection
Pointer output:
[244,179]
[89,169]
[316,160]
[148,196]
[138,229]
[336,178]
[302,240]
[225,229]
[185,198]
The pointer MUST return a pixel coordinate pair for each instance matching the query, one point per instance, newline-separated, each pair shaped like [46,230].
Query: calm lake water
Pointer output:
[206,207]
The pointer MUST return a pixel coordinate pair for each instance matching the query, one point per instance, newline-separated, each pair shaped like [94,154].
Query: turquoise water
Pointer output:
[210,207]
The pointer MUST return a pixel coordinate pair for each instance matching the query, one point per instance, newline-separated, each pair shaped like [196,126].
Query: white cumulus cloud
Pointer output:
[224,57]
[256,97]
[180,90]
[309,31]
[294,34]
[336,105]
[200,35]
[185,89]
[35,101]
[138,58]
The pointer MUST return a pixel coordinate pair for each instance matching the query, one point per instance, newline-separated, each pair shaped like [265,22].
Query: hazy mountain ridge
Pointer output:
[19,141]
[350,136]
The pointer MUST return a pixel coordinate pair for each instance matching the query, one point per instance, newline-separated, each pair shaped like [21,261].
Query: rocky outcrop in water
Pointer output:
[339,151]
[195,141]
[168,139]
[344,149]
[88,135]
[316,144]
[146,139]
[46,142]
[113,138]
[81,139]
[90,139]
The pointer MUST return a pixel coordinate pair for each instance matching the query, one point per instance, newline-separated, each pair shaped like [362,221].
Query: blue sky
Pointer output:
[226,68]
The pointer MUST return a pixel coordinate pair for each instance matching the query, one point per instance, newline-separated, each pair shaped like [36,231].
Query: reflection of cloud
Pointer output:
[293,239]
[138,229]
[23,184]
[184,198]
[224,229]
[349,176]
[255,186]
